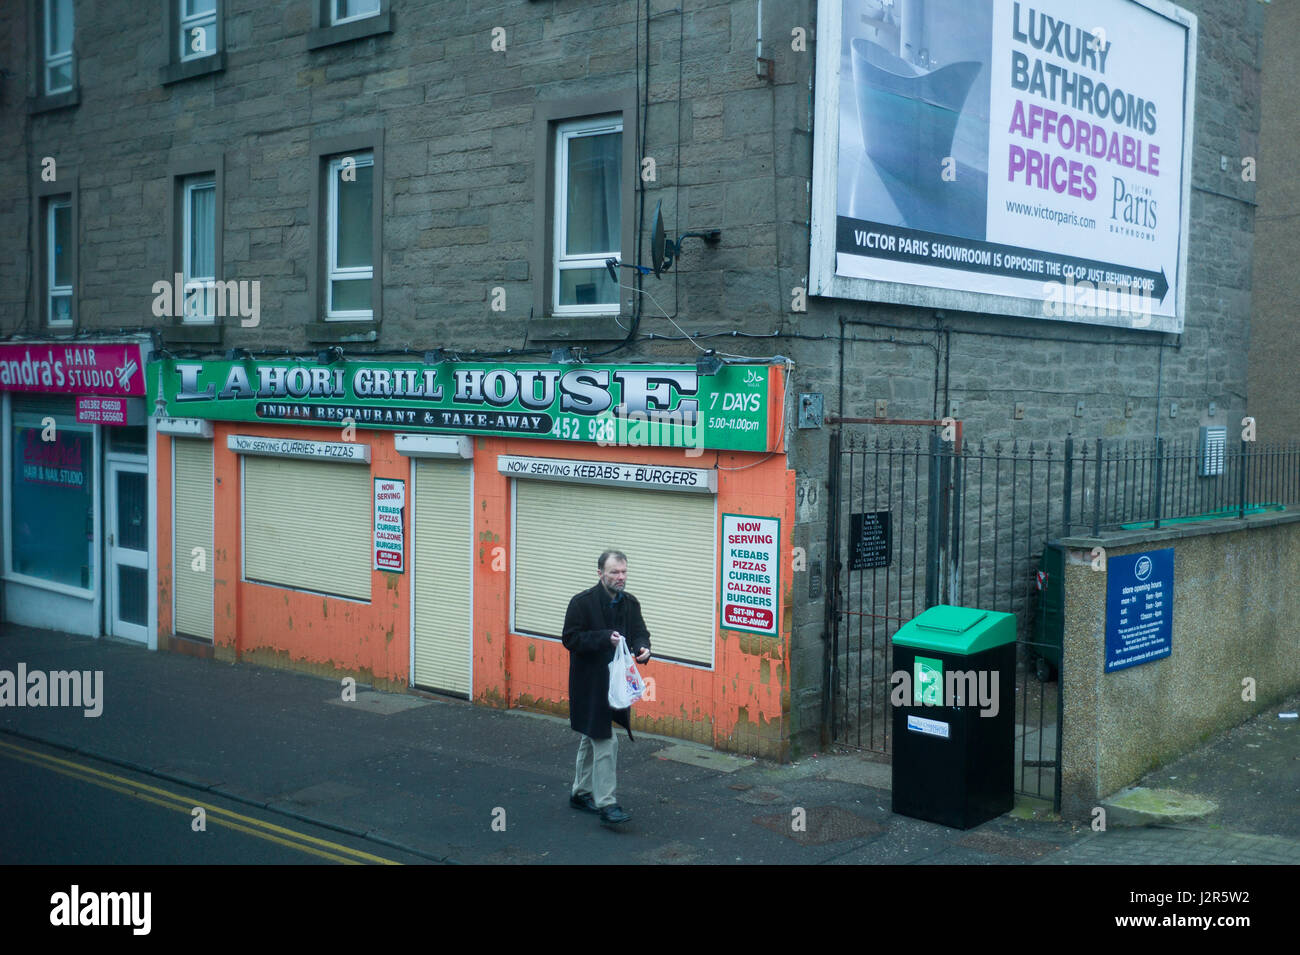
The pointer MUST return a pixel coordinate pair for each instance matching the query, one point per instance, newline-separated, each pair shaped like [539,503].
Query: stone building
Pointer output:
[392,178]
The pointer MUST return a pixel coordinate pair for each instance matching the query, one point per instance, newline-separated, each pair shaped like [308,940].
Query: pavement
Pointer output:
[451,782]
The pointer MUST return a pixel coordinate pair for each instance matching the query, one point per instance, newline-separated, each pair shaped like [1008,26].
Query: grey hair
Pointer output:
[616,554]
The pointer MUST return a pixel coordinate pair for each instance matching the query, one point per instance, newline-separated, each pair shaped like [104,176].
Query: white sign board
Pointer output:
[654,477]
[1021,158]
[390,535]
[298,448]
[750,572]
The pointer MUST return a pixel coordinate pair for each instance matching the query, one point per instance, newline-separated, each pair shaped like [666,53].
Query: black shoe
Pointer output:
[614,815]
[583,801]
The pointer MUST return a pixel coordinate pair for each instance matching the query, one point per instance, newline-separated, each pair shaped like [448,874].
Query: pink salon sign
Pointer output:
[82,369]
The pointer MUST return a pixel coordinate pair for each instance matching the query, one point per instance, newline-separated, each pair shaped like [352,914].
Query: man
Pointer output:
[595,622]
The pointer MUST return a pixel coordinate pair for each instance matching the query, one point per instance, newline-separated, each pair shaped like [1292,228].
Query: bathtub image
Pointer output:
[908,114]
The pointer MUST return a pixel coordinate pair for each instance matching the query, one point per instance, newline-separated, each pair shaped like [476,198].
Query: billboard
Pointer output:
[1005,157]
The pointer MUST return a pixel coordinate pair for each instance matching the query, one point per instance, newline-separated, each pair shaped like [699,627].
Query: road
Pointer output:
[66,809]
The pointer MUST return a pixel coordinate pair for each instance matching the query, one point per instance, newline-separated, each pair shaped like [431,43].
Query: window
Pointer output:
[559,531]
[345,284]
[588,215]
[194,315]
[54,226]
[51,494]
[195,40]
[585,189]
[344,11]
[338,21]
[199,242]
[58,22]
[350,238]
[308,525]
[198,29]
[58,262]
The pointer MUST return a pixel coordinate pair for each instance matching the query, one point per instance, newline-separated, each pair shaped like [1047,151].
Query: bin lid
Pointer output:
[958,630]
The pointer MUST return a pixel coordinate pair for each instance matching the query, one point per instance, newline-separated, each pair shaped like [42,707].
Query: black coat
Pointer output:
[587,625]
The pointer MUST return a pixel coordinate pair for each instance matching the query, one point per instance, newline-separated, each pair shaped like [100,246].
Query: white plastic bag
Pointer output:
[625,683]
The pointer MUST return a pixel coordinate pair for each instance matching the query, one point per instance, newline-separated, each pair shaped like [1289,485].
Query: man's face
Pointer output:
[614,577]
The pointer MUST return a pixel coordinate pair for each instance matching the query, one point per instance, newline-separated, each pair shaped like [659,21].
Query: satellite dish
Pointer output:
[658,240]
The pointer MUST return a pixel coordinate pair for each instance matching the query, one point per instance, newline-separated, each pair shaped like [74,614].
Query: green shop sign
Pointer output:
[636,405]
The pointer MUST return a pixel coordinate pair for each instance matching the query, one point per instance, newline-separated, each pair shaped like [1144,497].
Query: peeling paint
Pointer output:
[532,652]
[764,671]
[755,644]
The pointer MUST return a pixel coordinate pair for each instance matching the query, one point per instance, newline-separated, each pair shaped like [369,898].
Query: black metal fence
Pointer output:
[1148,483]
[936,522]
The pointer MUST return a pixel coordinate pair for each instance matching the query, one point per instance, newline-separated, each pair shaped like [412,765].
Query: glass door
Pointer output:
[127,516]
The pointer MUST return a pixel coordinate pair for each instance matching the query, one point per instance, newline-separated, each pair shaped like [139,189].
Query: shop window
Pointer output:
[308,525]
[52,482]
[561,529]
[588,215]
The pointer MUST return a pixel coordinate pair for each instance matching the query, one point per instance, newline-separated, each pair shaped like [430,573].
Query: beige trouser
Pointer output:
[597,769]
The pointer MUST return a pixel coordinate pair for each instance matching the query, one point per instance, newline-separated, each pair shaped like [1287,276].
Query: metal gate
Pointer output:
[917,519]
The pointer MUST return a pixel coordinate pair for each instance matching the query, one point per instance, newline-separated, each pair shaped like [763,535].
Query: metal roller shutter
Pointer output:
[308,524]
[192,487]
[560,531]
[443,552]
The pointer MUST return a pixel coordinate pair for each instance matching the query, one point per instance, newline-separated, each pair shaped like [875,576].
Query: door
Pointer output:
[192,538]
[127,511]
[441,644]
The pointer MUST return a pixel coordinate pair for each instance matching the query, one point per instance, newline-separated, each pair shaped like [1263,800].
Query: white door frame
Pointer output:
[115,555]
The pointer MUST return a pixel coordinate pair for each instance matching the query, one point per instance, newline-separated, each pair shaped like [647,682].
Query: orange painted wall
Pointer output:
[741,704]
[276,624]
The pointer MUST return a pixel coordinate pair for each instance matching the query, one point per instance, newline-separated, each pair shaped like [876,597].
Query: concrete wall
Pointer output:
[1236,587]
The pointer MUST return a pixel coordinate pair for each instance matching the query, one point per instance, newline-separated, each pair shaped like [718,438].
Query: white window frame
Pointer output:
[564,132]
[209,315]
[332,272]
[191,21]
[335,19]
[53,291]
[56,58]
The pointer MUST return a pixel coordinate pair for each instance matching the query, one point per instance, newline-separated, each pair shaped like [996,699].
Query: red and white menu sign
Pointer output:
[751,578]
[81,368]
[390,538]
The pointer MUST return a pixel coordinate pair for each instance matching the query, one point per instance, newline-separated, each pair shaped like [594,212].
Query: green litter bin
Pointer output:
[953,695]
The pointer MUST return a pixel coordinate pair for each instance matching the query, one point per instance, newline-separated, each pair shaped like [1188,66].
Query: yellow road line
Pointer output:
[138,790]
